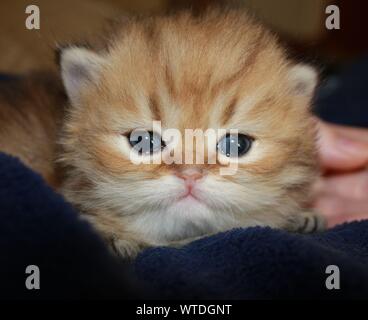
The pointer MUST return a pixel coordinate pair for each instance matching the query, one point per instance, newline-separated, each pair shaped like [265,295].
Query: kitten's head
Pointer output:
[219,71]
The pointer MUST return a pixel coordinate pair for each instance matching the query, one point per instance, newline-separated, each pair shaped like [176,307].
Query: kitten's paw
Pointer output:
[183,242]
[309,222]
[127,248]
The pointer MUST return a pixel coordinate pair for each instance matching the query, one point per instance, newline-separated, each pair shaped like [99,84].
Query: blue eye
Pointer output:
[233,145]
[146,142]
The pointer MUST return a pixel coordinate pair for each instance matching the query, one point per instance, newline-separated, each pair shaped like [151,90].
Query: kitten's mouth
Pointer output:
[188,195]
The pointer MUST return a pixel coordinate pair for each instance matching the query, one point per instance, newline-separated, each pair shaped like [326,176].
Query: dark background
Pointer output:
[300,24]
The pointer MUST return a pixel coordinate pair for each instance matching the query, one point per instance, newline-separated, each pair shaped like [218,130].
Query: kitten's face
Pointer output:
[221,72]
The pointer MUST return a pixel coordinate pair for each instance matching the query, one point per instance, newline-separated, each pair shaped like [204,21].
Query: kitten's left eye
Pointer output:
[146,142]
[233,145]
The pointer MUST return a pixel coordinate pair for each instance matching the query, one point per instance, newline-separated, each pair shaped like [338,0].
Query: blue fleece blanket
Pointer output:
[37,227]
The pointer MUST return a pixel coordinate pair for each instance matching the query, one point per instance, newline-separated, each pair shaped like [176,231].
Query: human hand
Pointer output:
[341,194]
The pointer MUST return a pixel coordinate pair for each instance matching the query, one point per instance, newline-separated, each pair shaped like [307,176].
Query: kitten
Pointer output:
[31,112]
[217,70]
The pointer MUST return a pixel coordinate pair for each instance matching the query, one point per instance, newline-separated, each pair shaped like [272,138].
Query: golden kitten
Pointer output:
[217,70]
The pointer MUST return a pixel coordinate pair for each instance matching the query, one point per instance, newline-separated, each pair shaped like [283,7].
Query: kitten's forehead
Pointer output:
[219,44]
[193,73]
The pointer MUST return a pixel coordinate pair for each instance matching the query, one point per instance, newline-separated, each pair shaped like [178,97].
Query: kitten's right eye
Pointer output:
[146,142]
[234,145]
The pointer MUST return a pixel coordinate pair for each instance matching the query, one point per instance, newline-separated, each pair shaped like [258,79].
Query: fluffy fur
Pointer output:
[217,70]
[31,113]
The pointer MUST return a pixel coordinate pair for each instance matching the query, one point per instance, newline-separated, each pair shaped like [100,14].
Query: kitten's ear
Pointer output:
[79,68]
[303,79]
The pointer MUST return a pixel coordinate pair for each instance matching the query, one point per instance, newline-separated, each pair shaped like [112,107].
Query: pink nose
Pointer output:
[190,174]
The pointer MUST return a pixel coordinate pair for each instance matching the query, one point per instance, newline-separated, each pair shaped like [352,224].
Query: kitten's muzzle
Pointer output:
[190,175]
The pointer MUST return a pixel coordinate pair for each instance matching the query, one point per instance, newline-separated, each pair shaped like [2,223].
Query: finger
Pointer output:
[348,185]
[339,147]
[336,220]
[338,210]
[351,132]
